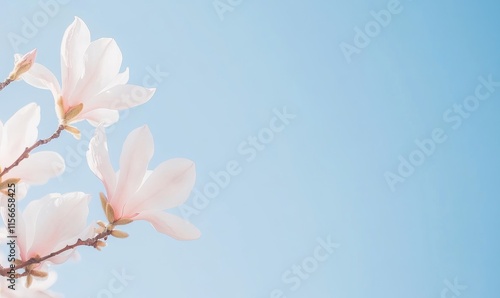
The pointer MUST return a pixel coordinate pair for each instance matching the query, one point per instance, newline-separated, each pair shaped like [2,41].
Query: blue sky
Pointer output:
[323,176]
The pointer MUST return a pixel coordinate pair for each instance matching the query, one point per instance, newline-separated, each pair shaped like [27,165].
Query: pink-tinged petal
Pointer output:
[98,117]
[26,225]
[62,218]
[41,77]
[120,97]
[73,254]
[168,186]
[65,256]
[75,42]
[99,163]
[136,153]
[120,79]
[39,168]
[19,132]
[103,60]
[28,58]
[170,224]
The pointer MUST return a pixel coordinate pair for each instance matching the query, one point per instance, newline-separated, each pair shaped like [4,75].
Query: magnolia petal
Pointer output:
[73,254]
[121,97]
[41,77]
[170,224]
[98,117]
[103,60]
[60,220]
[136,153]
[75,42]
[39,167]
[98,160]
[120,79]
[26,225]
[19,132]
[65,256]
[168,186]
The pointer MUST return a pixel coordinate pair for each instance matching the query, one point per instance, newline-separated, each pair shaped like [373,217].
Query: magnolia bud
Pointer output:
[22,65]
[119,234]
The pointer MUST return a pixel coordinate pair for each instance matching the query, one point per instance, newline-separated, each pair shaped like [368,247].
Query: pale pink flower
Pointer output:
[92,89]
[49,224]
[138,194]
[18,133]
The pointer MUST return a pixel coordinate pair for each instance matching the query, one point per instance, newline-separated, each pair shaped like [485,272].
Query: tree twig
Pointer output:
[88,242]
[28,150]
[5,83]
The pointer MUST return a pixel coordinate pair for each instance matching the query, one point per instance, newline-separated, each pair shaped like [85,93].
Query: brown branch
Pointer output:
[89,242]
[28,150]
[5,83]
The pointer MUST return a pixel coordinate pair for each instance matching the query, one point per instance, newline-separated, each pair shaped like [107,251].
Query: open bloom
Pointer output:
[92,87]
[49,224]
[134,193]
[19,132]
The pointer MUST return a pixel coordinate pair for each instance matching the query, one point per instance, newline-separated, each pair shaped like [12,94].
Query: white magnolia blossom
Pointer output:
[18,133]
[92,88]
[138,194]
[51,223]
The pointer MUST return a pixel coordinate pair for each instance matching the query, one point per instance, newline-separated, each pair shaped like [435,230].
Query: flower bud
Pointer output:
[22,65]
[99,245]
[119,234]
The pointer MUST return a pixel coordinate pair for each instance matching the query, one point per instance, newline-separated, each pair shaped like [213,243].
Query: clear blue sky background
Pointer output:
[323,175]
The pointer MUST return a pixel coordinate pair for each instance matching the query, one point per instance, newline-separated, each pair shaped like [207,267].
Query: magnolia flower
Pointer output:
[133,193]
[92,87]
[22,64]
[49,224]
[18,133]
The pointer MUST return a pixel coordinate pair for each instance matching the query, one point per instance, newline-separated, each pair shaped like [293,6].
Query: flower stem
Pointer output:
[5,83]
[28,150]
[89,242]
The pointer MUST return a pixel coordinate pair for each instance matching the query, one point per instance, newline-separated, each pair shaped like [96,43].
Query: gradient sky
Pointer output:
[322,176]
